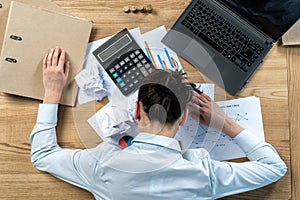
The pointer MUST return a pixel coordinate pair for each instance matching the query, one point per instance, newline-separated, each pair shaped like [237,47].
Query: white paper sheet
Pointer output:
[244,111]
[160,55]
[116,119]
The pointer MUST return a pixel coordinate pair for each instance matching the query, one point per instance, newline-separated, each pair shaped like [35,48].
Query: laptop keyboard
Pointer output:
[222,36]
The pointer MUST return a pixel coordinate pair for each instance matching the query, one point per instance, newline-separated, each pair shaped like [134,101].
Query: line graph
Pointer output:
[240,117]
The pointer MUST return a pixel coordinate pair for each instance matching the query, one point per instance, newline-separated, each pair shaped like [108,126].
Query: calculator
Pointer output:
[124,61]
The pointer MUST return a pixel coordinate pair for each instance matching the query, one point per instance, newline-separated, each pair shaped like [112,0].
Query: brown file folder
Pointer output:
[30,33]
[5,5]
[292,36]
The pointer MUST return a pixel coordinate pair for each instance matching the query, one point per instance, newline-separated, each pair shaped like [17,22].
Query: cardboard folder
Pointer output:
[292,36]
[30,33]
[5,6]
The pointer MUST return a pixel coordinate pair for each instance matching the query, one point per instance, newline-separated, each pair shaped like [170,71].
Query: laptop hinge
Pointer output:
[269,42]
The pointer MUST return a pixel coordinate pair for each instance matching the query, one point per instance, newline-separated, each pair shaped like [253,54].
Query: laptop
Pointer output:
[227,40]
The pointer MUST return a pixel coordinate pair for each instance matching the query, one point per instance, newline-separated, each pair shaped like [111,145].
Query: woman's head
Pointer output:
[164,96]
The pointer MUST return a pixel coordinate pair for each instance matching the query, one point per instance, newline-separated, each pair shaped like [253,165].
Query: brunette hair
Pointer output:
[164,96]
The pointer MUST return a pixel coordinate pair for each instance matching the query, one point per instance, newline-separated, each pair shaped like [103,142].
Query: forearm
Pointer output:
[264,159]
[52,97]
[264,167]
[257,150]
[46,155]
[231,128]
[43,136]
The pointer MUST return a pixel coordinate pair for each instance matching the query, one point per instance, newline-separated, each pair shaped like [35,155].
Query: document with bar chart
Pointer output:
[161,56]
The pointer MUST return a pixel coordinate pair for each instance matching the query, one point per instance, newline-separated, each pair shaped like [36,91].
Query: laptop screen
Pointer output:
[273,17]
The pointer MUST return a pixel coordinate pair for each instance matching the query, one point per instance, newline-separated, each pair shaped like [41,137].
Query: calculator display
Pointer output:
[114,48]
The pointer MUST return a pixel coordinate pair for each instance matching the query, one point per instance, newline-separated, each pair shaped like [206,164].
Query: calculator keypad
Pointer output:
[129,71]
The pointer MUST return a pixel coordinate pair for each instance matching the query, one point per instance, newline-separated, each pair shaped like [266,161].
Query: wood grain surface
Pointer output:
[276,83]
[293,56]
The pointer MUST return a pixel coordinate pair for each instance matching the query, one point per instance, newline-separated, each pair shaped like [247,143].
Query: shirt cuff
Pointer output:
[246,140]
[47,113]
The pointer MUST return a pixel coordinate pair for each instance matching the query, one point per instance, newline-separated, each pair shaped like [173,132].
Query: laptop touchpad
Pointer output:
[199,56]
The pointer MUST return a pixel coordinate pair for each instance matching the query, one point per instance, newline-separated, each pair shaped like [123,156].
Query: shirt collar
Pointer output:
[159,140]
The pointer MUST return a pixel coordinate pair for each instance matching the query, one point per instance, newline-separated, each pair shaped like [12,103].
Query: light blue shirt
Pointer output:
[153,167]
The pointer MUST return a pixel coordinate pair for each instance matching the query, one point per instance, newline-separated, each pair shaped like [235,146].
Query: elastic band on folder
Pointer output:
[12,60]
[14,37]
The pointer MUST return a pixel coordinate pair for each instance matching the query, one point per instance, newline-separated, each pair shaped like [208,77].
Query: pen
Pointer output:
[195,88]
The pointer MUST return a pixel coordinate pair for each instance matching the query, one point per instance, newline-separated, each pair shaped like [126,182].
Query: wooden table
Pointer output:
[276,83]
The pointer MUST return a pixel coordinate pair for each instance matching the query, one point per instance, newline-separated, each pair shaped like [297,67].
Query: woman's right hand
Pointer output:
[207,112]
